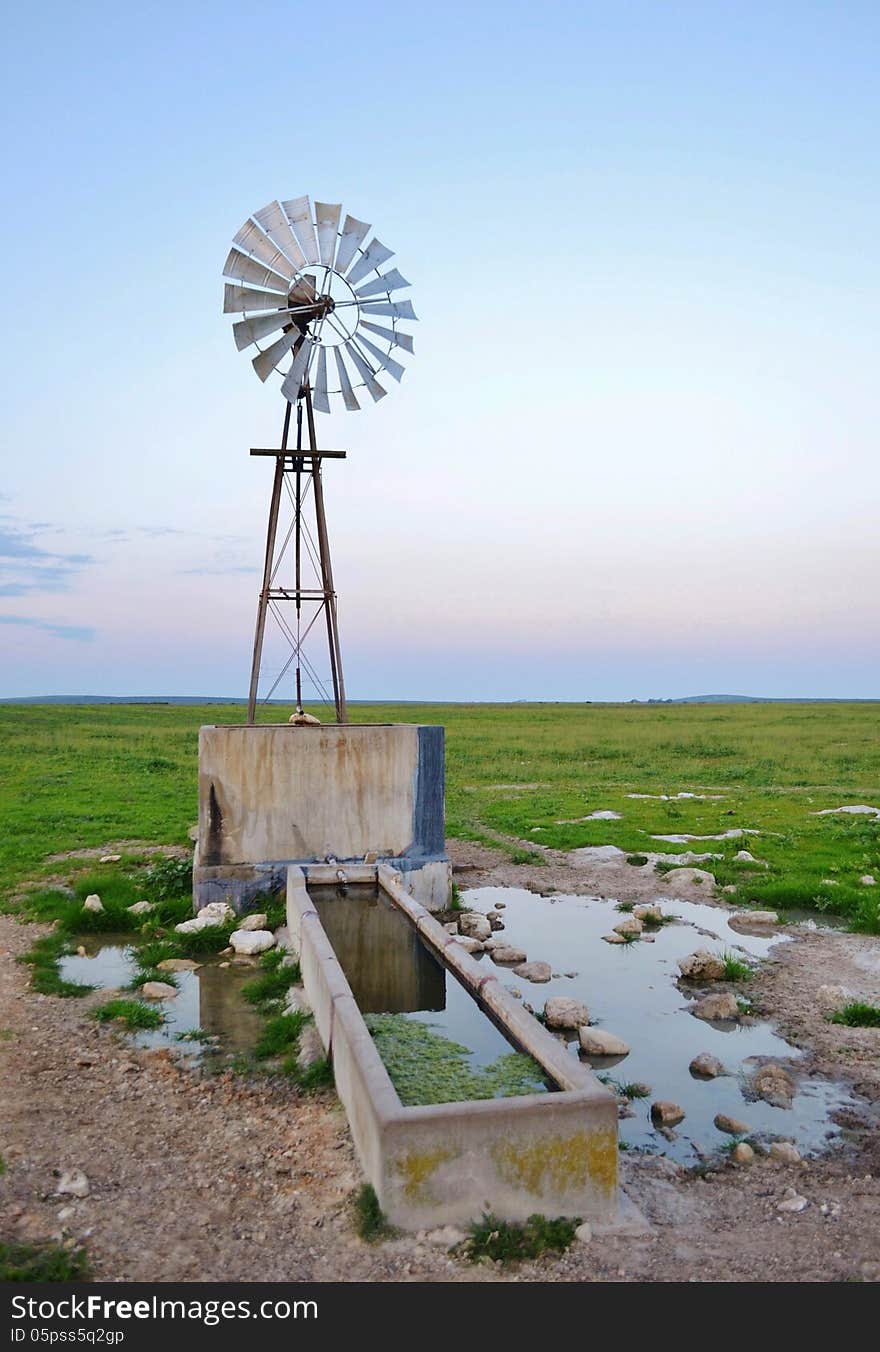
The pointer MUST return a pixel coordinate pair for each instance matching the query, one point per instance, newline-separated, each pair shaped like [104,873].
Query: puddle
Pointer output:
[391,971]
[630,990]
[209,998]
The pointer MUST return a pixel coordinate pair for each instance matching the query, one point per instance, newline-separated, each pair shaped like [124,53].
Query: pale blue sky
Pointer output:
[635,453]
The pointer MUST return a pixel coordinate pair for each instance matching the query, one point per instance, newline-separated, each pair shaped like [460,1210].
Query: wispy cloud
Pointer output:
[79,632]
[26,567]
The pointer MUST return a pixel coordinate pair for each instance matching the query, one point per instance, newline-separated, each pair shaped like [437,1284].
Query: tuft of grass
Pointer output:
[735,969]
[512,1242]
[858,1014]
[637,860]
[193,1035]
[274,982]
[625,906]
[133,1014]
[42,1263]
[526,857]
[370,1220]
[280,1035]
[630,1089]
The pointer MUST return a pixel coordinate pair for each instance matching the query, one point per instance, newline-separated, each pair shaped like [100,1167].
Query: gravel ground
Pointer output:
[198,1178]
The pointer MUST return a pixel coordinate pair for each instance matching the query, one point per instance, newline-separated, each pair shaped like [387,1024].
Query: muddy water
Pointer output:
[209,998]
[390,971]
[631,990]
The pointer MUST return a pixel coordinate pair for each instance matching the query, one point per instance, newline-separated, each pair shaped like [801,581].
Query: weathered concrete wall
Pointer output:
[274,794]
[553,1153]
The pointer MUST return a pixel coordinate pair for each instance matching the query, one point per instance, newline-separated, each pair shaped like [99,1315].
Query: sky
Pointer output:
[635,452]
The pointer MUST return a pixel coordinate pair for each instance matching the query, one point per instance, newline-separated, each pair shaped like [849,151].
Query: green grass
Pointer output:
[370,1221]
[134,1014]
[735,969]
[274,982]
[42,1263]
[857,1014]
[512,1242]
[85,776]
[280,1034]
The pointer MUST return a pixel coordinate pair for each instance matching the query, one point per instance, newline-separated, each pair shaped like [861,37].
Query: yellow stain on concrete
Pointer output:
[417,1169]
[560,1165]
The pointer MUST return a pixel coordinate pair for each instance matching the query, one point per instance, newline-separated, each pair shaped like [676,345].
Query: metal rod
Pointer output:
[298,463]
[326,571]
[267,571]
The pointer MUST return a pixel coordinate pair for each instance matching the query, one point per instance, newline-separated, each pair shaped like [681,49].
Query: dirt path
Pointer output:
[198,1178]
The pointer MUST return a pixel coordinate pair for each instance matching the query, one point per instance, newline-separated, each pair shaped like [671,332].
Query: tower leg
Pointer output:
[327,574]
[263,604]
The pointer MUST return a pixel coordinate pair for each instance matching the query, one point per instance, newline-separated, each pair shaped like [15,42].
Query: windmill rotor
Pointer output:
[304,281]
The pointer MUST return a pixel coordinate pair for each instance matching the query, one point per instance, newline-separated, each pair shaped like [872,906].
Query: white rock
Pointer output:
[665,1114]
[93,903]
[110,859]
[679,880]
[470,945]
[792,1201]
[598,1042]
[451,928]
[745,857]
[731,1125]
[701,966]
[706,1066]
[716,1008]
[301,719]
[474,926]
[560,1011]
[252,941]
[832,997]
[158,990]
[507,954]
[584,1233]
[177,965]
[73,1183]
[446,1237]
[742,1153]
[785,1151]
[282,938]
[630,925]
[757,917]
[538,972]
[311,1048]
[650,913]
[215,913]
[868,880]
[66,1212]
[613,939]
[257,921]
[140,908]
[296,1001]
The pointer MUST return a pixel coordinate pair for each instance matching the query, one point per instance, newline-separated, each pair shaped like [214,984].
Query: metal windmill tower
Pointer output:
[296,273]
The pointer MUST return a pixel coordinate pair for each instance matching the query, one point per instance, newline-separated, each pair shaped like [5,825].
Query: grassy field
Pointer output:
[78,776]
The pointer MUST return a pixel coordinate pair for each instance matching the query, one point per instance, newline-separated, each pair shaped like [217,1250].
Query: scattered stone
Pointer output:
[679,880]
[496,923]
[867,880]
[500,905]
[158,990]
[598,1042]
[257,921]
[66,1212]
[470,945]
[706,1066]
[311,1048]
[756,917]
[505,953]
[742,1153]
[665,1114]
[560,1011]
[93,903]
[701,966]
[177,965]
[296,1001]
[716,1008]
[613,939]
[774,1085]
[73,1183]
[140,908]
[745,857]
[792,1201]
[539,972]
[110,859]
[630,925]
[215,913]
[731,888]
[832,997]
[474,925]
[786,1152]
[301,719]
[84,1059]
[492,915]
[282,938]
[227,953]
[584,1233]
[251,942]
[731,1125]
[451,928]
[649,913]
[446,1237]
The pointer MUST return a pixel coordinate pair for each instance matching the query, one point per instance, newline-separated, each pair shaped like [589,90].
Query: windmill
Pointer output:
[311,297]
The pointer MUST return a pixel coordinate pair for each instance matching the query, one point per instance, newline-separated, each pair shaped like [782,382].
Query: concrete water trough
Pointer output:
[553,1153]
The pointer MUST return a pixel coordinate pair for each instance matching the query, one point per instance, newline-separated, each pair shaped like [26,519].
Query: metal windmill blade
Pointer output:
[302,278]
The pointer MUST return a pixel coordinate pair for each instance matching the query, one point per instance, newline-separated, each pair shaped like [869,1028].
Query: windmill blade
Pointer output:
[353,233]
[248,331]
[299,213]
[320,397]
[367,373]
[245,269]
[373,257]
[275,224]
[244,299]
[389,281]
[251,239]
[400,309]
[347,392]
[327,218]
[398,339]
[264,363]
[386,363]
[292,382]
[303,292]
